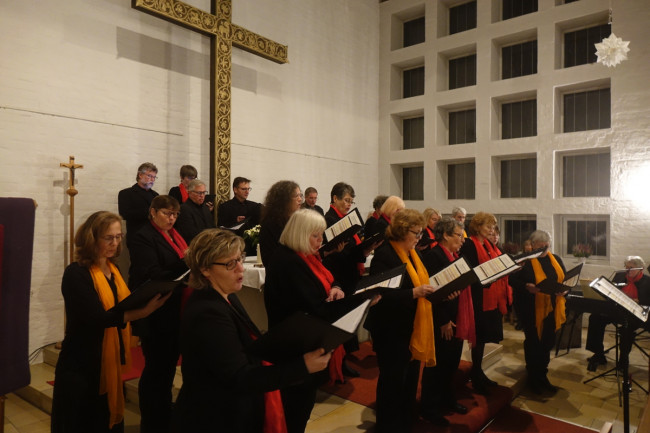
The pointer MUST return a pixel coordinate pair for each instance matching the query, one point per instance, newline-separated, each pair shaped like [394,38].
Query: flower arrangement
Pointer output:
[582,250]
[253,235]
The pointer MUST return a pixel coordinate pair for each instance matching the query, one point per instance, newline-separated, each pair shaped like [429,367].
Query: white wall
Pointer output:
[116,87]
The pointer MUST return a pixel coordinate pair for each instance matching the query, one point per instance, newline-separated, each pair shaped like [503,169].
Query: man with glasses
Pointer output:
[133,203]
[239,209]
[195,214]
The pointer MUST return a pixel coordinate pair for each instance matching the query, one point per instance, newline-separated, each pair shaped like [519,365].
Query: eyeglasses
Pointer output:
[109,239]
[417,234]
[460,235]
[150,176]
[233,263]
[348,201]
[300,196]
[200,192]
[169,214]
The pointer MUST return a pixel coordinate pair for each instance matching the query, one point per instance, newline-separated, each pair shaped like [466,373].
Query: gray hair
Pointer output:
[144,168]
[194,184]
[300,227]
[458,210]
[635,261]
[540,236]
[446,226]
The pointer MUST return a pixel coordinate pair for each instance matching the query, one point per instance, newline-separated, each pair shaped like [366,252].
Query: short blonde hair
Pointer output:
[479,220]
[207,247]
[402,222]
[391,205]
[300,227]
[428,212]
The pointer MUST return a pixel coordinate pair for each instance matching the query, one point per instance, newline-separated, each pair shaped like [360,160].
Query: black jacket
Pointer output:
[133,205]
[193,220]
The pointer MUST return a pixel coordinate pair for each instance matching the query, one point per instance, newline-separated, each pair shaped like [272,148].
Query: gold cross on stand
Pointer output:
[224,35]
[71,191]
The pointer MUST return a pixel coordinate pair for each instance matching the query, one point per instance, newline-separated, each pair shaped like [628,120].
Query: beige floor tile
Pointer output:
[348,418]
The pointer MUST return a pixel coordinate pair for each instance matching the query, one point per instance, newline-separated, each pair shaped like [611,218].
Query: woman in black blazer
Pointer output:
[391,323]
[157,252]
[224,386]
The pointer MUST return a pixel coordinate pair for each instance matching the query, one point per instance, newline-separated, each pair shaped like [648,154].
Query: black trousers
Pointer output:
[298,402]
[437,382]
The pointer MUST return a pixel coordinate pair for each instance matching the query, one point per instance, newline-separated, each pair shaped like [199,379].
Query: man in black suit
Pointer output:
[239,208]
[133,203]
[311,196]
[195,215]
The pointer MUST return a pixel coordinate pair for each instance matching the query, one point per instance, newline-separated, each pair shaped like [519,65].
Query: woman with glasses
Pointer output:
[401,324]
[225,388]
[157,254]
[282,200]
[491,302]
[296,280]
[88,393]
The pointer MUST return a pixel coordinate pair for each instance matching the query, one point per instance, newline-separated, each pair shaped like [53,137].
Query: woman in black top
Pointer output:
[282,200]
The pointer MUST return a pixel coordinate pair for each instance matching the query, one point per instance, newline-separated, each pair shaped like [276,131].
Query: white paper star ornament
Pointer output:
[612,50]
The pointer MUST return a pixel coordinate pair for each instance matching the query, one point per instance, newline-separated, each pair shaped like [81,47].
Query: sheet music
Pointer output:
[343,224]
[182,276]
[532,255]
[609,290]
[391,283]
[350,322]
[450,273]
[494,269]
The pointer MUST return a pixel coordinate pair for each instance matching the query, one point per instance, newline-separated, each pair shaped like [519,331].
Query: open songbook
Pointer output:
[571,279]
[391,279]
[342,230]
[528,256]
[301,333]
[236,227]
[453,278]
[143,294]
[492,270]
[606,288]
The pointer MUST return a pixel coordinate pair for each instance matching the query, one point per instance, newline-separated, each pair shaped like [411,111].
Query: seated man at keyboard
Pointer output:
[635,284]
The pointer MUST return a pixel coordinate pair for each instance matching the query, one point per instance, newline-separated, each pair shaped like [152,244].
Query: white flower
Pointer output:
[612,50]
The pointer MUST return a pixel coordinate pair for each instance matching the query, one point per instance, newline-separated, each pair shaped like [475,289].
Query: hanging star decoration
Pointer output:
[612,50]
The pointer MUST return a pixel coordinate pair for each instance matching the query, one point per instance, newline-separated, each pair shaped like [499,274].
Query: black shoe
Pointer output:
[457,408]
[488,381]
[349,371]
[596,360]
[480,387]
[535,386]
[548,386]
[435,418]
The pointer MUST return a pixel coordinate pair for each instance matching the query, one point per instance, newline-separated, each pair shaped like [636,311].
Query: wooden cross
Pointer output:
[224,35]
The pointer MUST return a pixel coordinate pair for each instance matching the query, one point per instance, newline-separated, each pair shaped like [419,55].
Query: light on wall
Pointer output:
[612,50]
[635,185]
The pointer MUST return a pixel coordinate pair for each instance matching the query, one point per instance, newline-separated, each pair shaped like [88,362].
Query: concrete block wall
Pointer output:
[116,87]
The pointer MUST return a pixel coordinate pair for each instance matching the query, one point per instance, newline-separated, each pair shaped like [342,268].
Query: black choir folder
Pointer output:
[342,230]
[143,294]
[606,288]
[391,279]
[301,333]
[552,287]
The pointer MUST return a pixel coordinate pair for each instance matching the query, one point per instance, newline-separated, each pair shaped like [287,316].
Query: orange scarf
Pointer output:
[422,344]
[543,305]
[110,380]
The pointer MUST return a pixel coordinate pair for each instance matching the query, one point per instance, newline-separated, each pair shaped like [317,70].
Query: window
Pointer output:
[519,178]
[413,80]
[462,127]
[460,181]
[584,111]
[462,72]
[414,32]
[413,183]
[579,45]
[519,60]
[588,230]
[519,119]
[586,175]
[515,8]
[462,18]
[413,133]
[515,229]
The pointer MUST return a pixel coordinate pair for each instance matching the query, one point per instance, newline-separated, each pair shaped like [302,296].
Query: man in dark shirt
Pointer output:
[239,208]
[195,215]
[311,196]
[133,203]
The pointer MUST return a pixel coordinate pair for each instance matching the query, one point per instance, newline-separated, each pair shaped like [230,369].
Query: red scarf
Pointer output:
[375,215]
[630,289]
[465,327]
[178,244]
[499,294]
[384,216]
[433,239]
[326,278]
[360,266]
[184,193]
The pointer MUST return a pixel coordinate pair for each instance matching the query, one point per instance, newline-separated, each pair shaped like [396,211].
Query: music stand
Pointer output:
[606,288]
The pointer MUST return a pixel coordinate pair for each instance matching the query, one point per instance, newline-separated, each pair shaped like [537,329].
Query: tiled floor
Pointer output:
[589,405]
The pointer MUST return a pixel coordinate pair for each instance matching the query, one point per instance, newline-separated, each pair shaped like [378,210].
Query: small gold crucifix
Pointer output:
[224,35]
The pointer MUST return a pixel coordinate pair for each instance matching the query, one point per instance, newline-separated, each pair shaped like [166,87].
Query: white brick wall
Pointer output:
[116,87]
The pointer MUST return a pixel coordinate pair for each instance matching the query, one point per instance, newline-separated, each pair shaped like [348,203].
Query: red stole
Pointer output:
[184,193]
[360,266]
[433,239]
[385,217]
[178,244]
[630,289]
[499,294]
[326,278]
[465,327]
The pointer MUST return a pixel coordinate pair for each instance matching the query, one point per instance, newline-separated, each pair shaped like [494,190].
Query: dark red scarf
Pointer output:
[630,289]
[178,243]
[433,240]
[326,278]
[360,266]
[499,294]
[184,193]
[465,327]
